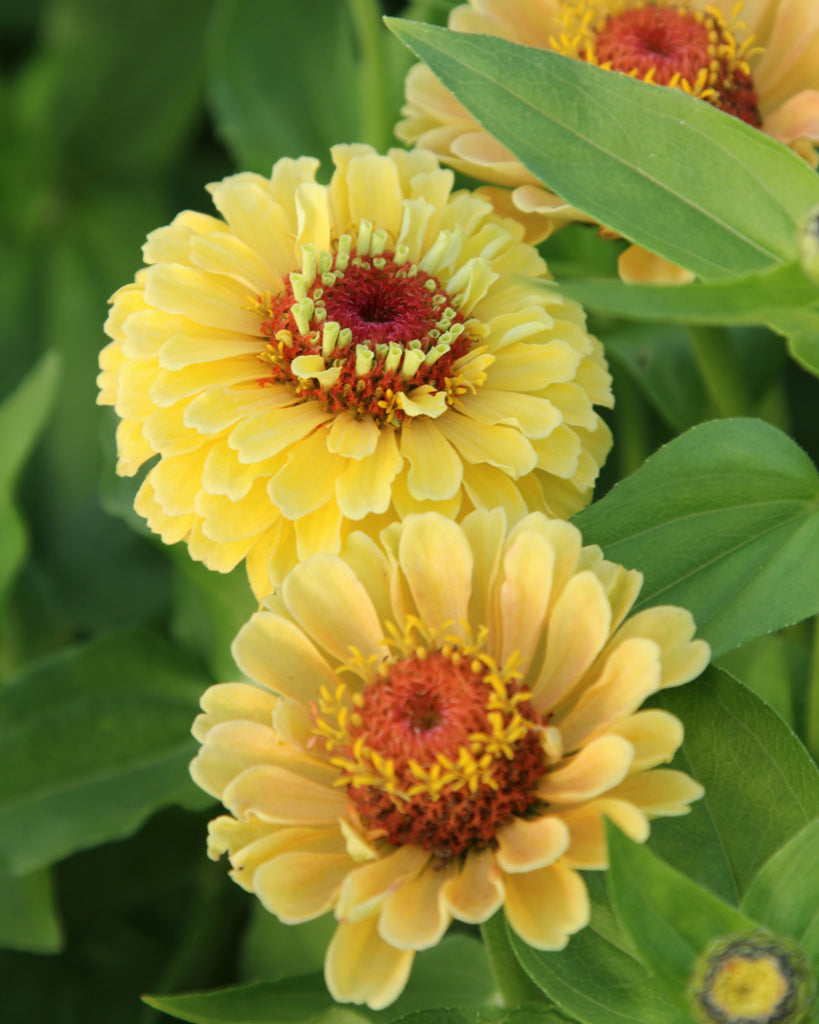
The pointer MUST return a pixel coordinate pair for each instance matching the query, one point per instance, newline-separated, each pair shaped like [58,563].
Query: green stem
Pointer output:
[514,984]
[366,18]
[720,369]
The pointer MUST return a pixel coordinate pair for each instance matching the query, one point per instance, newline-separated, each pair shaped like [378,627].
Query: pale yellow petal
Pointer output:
[672,629]
[560,452]
[221,253]
[318,532]
[301,885]
[528,367]
[365,485]
[231,747]
[215,410]
[307,480]
[545,907]
[663,791]
[488,488]
[184,350]
[655,736]
[245,202]
[504,447]
[628,676]
[172,385]
[333,607]
[435,468]
[223,474]
[361,968]
[524,595]
[353,436]
[276,653]
[597,768]
[208,299]
[534,415]
[227,521]
[267,432]
[437,562]
[477,891]
[177,480]
[414,916]
[365,889]
[283,797]
[588,850]
[230,702]
[527,845]
[578,628]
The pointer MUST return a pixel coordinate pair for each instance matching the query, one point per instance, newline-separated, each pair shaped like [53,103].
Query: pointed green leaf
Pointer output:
[620,150]
[784,895]
[761,785]
[669,918]
[93,741]
[723,520]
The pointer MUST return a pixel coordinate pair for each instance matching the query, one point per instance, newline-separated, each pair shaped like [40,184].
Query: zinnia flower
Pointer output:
[438,729]
[331,354]
[758,61]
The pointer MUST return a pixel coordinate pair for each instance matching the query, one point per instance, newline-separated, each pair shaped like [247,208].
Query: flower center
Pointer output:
[667,43]
[439,750]
[367,331]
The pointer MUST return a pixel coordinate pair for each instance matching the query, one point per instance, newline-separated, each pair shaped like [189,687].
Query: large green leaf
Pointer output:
[781,298]
[596,982]
[455,972]
[22,417]
[724,521]
[669,918]
[761,785]
[784,895]
[93,741]
[269,101]
[649,162]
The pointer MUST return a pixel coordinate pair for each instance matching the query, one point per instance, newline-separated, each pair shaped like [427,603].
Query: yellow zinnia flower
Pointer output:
[757,60]
[439,726]
[349,352]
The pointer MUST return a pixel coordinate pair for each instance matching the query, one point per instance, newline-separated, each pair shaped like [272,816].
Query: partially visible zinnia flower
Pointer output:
[758,61]
[343,353]
[438,730]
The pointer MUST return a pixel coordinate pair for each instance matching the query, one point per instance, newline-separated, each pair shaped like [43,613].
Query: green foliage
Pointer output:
[565,120]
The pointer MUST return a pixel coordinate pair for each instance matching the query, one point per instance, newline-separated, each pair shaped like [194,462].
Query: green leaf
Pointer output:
[784,895]
[272,950]
[28,916]
[597,983]
[91,47]
[761,786]
[22,417]
[456,972]
[94,740]
[266,97]
[723,521]
[669,918]
[620,151]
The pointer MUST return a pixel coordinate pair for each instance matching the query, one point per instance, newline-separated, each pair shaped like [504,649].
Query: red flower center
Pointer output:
[439,752]
[359,332]
[669,44]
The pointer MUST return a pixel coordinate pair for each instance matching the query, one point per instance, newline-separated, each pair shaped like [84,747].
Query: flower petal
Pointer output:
[301,885]
[435,468]
[437,563]
[598,767]
[588,849]
[526,845]
[361,968]
[662,791]
[545,907]
[283,797]
[365,486]
[365,889]
[477,891]
[415,915]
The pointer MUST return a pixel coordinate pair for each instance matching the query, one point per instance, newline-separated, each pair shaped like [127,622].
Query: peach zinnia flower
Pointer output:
[438,729]
[351,352]
[758,61]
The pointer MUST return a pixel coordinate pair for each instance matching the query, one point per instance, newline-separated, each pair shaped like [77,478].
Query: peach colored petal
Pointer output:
[587,836]
[485,533]
[276,653]
[578,629]
[637,265]
[283,797]
[655,736]
[477,891]
[230,702]
[672,629]
[796,118]
[415,915]
[628,676]
[437,563]
[332,606]
[231,747]
[365,888]
[527,845]
[301,885]
[524,595]
[662,791]
[361,968]
[251,849]
[595,769]
[545,907]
